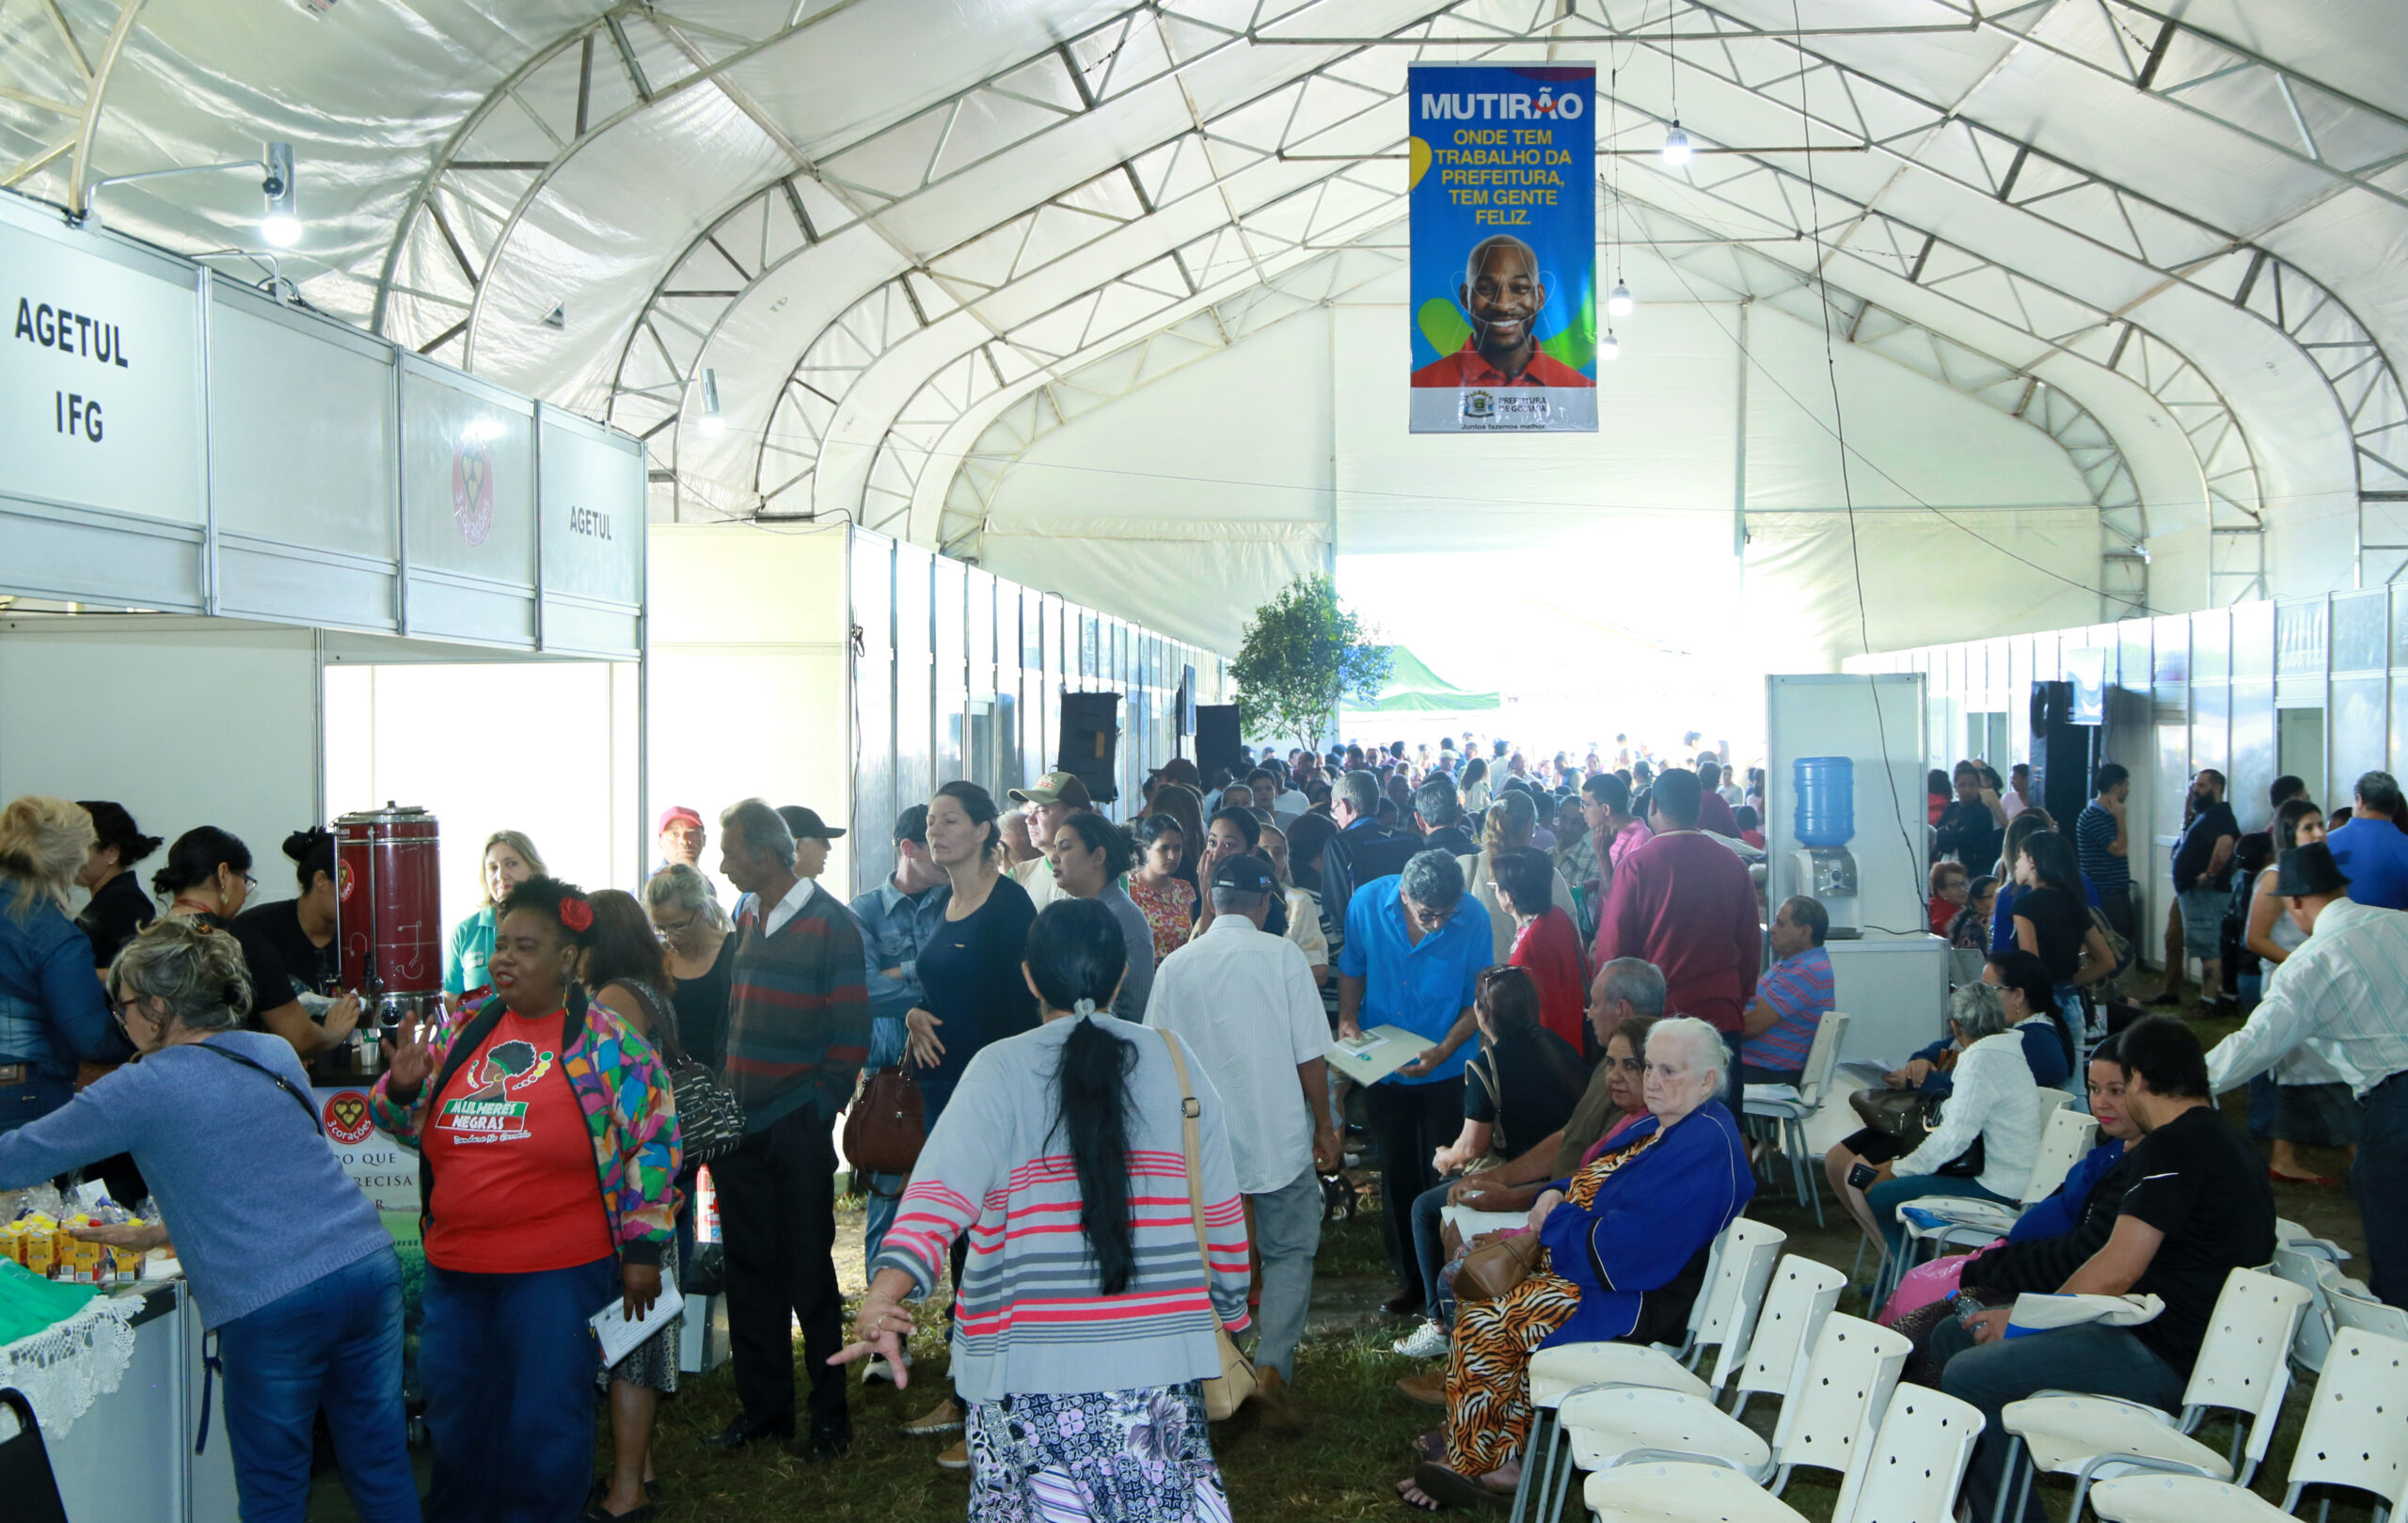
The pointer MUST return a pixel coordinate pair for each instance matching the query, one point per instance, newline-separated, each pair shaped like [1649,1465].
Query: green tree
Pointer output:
[1303,653]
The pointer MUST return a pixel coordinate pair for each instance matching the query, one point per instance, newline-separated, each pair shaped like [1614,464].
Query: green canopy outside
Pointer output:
[1414,689]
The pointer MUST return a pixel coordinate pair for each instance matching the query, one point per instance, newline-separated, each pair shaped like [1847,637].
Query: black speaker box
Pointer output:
[1090,739]
[1218,741]
[2063,755]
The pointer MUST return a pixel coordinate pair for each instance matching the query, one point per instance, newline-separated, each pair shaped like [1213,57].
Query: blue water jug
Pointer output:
[1826,800]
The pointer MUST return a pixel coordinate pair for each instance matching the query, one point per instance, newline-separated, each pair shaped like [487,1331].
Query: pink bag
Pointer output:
[1924,1284]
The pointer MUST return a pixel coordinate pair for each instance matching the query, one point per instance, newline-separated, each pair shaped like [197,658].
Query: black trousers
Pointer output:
[1409,1122]
[777,1205]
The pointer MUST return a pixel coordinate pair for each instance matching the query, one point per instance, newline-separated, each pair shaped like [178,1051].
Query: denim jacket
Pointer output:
[895,926]
[52,1012]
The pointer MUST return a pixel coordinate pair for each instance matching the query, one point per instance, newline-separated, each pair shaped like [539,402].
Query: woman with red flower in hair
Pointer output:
[547,1151]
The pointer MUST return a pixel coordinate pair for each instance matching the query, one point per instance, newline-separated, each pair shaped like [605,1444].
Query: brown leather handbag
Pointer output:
[888,1124]
[1494,1269]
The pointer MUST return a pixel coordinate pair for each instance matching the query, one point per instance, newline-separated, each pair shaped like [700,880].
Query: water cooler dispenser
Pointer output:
[1822,865]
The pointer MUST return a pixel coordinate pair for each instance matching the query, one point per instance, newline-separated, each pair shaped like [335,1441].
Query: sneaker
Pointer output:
[879,1369]
[1427,1341]
[957,1457]
[943,1418]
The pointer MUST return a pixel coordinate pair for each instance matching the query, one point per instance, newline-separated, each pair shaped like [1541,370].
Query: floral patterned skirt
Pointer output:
[1119,1456]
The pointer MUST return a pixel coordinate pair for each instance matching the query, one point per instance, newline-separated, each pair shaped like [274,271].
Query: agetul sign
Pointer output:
[99,378]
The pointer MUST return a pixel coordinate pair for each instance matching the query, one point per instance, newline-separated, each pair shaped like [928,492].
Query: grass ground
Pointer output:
[1357,1427]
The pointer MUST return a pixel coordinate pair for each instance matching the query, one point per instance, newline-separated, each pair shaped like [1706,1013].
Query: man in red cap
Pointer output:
[682,837]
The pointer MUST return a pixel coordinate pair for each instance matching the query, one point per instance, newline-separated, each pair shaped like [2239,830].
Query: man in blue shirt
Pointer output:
[897,918]
[1415,946]
[2371,850]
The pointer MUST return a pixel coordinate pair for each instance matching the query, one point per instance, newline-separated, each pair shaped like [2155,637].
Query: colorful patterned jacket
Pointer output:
[630,1110]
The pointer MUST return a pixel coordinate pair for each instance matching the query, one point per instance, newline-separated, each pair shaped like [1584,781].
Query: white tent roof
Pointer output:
[885,225]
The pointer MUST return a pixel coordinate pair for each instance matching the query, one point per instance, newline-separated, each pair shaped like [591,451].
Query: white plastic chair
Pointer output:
[1968,1221]
[2356,1437]
[2351,1305]
[1792,1106]
[2244,1366]
[1804,1293]
[1724,1316]
[2066,1136]
[1833,1408]
[1909,1474]
[2316,1322]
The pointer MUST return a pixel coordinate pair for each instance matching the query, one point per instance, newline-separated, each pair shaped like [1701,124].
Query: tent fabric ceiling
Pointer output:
[897,231]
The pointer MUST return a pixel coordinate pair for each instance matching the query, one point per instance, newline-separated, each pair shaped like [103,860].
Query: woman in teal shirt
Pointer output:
[510,859]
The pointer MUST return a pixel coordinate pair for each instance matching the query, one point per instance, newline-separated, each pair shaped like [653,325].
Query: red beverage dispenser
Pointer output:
[388,915]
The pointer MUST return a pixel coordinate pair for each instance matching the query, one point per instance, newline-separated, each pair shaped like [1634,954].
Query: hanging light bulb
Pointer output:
[1618,301]
[1609,347]
[1677,146]
[281,224]
[712,422]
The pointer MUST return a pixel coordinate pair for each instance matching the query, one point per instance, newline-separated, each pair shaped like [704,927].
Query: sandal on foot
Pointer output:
[1455,1489]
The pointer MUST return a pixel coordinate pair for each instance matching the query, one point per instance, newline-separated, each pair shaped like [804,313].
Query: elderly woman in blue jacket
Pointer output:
[1626,1243]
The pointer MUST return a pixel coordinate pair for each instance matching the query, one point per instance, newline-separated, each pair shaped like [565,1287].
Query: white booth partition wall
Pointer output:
[257,569]
[2313,687]
[835,668]
[959,673]
[746,674]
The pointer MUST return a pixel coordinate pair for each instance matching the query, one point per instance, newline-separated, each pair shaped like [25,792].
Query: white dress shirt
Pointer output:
[1244,1002]
[2340,992]
[789,907]
[1995,1100]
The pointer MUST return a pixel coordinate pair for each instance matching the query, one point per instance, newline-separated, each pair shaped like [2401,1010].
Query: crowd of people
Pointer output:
[1118,1036]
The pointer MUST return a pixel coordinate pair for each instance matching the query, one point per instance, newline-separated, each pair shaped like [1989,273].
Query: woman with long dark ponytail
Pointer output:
[1098,1404]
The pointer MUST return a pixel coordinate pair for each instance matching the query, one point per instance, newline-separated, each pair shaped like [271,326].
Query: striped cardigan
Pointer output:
[1032,1315]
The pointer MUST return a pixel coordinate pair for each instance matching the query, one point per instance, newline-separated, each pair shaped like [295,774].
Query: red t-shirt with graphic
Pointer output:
[514,1187]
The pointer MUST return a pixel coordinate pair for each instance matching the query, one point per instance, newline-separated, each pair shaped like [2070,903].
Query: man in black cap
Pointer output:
[2341,989]
[811,839]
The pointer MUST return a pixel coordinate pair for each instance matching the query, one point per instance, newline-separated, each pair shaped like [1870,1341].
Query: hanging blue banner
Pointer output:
[1504,224]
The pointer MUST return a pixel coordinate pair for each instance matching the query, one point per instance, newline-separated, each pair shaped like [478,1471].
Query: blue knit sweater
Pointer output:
[251,1194]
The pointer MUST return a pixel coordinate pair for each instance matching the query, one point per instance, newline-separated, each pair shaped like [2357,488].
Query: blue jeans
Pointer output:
[37,1096]
[335,1342]
[507,1363]
[1429,1240]
[2104,1361]
[1886,1197]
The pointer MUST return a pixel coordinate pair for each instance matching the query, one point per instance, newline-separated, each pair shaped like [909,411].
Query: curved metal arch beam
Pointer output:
[85,114]
[448,160]
[448,155]
[1015,422]
[872,413]
[2225,410]
[777,201]
[956,500]
[944,410]
[2227,463]
[2180,248]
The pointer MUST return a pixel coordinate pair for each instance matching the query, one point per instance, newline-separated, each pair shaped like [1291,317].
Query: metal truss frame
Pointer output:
[78,121]
[2184,66]
[1941,139]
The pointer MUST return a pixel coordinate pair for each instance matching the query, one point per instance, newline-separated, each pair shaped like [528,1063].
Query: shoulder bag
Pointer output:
[1493,1269]
[710,1119]
[1225,1392]
[887,1126]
